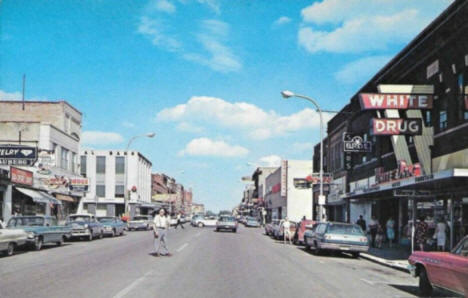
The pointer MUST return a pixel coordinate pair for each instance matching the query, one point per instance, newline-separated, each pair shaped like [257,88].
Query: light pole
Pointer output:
[127,191]
[287,94]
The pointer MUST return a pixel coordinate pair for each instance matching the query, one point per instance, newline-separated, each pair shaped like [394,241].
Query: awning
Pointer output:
[65,198]
[36,196]
[50,198]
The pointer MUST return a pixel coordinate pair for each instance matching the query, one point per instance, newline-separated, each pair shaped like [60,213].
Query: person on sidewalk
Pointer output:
[179,221]
[440,234]
[390,231]
[287,230]
[373,225]
[161,224]
[362,223]
[380,236]
[420,233]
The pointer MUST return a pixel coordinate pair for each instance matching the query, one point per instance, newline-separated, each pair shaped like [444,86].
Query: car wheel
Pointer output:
[10,249]
[217,230]
[316,249]
[38,243]
[355,254]
[90,237]
[425,286]
[200,225]
[60,243]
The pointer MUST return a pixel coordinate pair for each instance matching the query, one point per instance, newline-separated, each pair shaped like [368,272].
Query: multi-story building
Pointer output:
[198,208]
[54,128]
[117,179]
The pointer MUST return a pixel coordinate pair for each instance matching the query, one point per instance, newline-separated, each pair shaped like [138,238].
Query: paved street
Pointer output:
[205,264]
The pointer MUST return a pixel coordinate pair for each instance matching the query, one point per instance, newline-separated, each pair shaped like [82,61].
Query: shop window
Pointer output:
[64,159]
[101,191]
[119,191]
[119,165]
[83,166]
[443,120]
[100,164]
[428,118]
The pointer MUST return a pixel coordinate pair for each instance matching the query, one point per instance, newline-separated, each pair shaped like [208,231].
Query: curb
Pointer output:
[387,263]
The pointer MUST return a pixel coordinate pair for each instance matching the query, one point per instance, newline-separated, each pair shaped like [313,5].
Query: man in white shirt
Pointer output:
[179,220]
[287,230]
[161,224]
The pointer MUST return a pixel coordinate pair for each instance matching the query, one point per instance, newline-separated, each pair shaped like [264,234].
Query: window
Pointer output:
[73,162]
[428,118]
[119,165]
[64,159]
[83,165]
[442,120]
[100,191]
[119,191]
[100,164]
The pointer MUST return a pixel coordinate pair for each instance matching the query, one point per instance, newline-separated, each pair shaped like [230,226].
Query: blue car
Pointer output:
[112,225]
[252,222]
[41,230]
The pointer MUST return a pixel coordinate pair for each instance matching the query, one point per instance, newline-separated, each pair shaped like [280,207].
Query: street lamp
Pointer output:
[127,191]
[287,94]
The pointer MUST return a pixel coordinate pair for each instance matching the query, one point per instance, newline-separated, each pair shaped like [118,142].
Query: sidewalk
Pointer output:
[396,257]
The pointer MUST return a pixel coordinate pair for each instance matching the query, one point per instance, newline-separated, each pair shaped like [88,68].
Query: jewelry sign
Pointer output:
[354,143]
[17,155]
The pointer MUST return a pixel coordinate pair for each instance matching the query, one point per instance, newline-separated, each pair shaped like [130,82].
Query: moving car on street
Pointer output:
[226,223]
[40,229]
[334,236]
[301,228]
[448,270]
[252,222]
[140,222]
[112,226]
[195,219]
[10,239]
[207,221]
[85,226]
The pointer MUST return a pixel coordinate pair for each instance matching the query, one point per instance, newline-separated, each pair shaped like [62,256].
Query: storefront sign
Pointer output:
[348,158]
[354,143]
[403,171]
[17,155]
[411,193]
[78,184]
[56,182]
[396,126]
[20,176]
[45,162]
[284,177]
[276,188]
[315,178]
[379,101]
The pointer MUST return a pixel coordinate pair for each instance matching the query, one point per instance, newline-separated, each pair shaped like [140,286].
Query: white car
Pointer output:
[207,222]
[11,239]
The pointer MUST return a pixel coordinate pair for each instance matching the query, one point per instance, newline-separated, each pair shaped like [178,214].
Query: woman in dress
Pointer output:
[421,232]
[390,231]
[440,234]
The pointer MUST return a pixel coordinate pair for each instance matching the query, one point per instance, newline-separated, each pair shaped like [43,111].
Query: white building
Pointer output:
[284,197]
[105,170]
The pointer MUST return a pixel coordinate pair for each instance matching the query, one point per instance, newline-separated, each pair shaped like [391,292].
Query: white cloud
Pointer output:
[208,147]
[189,127]
[128,124]
[361,70]
[302,147]
[100,138]
[282,20]
[10,96]
[164,6]
[257,123]
[270,161]
[360,26]
[212,4]
[218,56]
[155,31]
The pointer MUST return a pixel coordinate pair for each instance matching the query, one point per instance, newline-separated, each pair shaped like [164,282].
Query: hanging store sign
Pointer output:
[78,184]
[396,126]
[315,178]
[21,176]
[403,171]
[284,177]
[45,162]
[354,143]
[411,193]
[382,101]
[17,155]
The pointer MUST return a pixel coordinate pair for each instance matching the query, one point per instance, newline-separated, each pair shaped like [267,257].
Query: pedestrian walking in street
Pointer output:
[390,231]
[420,233]
[161,224]
[380,236]
[287,230]
[362,223]
[179,220]
[440,234]
[373,225]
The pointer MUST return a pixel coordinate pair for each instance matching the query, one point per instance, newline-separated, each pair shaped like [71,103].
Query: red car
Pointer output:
[300,230]
[448,270]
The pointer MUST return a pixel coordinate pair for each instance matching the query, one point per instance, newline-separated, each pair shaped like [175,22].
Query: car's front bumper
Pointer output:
[79,233]
[344,247]
[137,226]
[227,227]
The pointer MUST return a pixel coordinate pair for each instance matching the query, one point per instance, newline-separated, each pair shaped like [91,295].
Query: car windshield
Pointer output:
[26,221]
[105,219]
[344,229]
[226,218]
[79,218]
[251,219]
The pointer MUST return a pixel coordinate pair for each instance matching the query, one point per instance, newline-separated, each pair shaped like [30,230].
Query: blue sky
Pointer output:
[205,75]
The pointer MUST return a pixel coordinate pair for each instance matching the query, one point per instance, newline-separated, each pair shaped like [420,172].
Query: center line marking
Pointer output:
[182,247]
[132,285]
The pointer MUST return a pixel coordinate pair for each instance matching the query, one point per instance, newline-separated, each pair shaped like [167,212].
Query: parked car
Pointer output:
[40,229]
[336,236]
[280,230]
[269,227]
[252,222]
[226,223]
[140,222]
[207,221]
[112,225]
[85,226]
[276,227]
[173,221]
[195,219]
[10,239]
[301,228]
[448,270]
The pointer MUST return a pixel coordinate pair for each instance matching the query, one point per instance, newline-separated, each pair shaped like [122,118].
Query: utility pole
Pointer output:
[24,84]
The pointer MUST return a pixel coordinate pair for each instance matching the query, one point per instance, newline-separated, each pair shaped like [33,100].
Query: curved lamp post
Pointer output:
[288,94]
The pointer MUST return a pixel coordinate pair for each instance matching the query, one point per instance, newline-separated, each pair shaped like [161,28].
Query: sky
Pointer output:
[204,75]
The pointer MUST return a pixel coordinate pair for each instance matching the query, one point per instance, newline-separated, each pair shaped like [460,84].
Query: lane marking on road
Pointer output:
[132,285]
[182,247]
